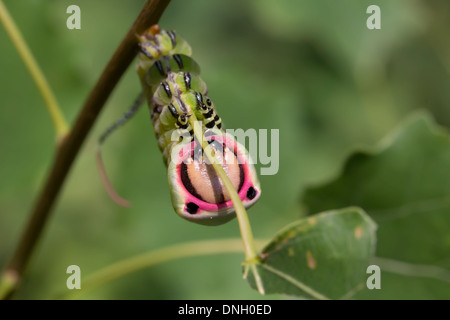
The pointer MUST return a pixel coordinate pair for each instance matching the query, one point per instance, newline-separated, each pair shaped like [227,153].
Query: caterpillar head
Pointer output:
[197,192]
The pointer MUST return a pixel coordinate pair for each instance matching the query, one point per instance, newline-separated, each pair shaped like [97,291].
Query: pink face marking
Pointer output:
[200,189]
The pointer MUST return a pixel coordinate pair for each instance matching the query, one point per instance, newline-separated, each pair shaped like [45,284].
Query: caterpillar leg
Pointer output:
[100,165]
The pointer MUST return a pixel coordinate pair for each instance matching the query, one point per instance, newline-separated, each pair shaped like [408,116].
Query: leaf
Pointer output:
[321,257]
[405,187]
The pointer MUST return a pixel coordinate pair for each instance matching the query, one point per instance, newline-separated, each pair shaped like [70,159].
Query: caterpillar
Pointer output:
[174,91]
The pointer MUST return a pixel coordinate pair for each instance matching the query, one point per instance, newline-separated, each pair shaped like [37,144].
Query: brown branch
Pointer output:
[69,147]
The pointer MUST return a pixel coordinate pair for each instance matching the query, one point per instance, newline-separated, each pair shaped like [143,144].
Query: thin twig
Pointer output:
[413,269]
[251,257]
[69,147]
[241,213]
[59,122]
[158,256]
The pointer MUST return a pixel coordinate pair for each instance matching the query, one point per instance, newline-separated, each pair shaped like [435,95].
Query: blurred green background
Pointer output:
[311,69]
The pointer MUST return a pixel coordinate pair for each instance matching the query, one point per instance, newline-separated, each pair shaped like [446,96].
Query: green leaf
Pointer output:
[405,187]
[324,256]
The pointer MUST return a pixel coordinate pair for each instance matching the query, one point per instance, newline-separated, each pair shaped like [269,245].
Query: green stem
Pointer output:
[178,251]
[412,269]
[251,256]
[241,213]
[59,122]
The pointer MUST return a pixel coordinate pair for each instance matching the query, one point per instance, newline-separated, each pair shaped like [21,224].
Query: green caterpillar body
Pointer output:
[174,92]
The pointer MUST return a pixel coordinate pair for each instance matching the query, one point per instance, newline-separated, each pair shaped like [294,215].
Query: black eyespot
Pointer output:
[168,68]
[204,107]
[172,37]
[210,124]
[251,193]
[181,125]
[167,89]
[187,80]
[173,110]
[160,68]
[179,61]
[208,102]
[208,114]
[192,208]
[145,52]
[199,98]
